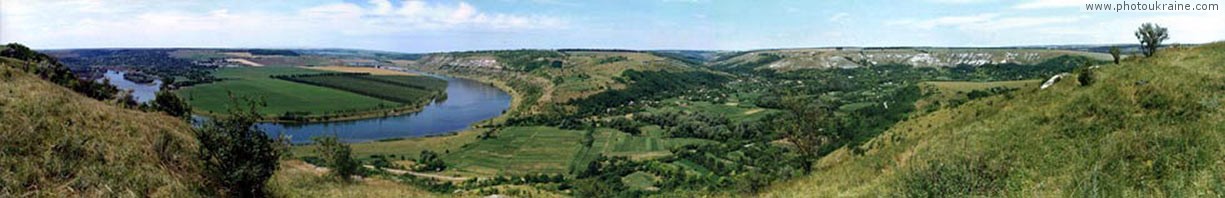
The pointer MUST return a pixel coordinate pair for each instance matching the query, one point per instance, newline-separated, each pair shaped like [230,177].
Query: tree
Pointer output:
[429,161]
[170,103]
[238,158]
[813,127]
[1150,36]
[1115,52]
[338,156]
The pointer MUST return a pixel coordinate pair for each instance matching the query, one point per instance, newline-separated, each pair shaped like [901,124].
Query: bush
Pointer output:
[1085,78]
[954,178]
[170,103]
[338,156]
[238,158]
[429,161]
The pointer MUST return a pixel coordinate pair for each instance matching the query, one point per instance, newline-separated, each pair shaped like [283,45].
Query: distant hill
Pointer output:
[58,143]
[1149,127]
[852,57]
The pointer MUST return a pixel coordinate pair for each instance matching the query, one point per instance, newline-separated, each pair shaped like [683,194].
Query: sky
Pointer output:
[436,26]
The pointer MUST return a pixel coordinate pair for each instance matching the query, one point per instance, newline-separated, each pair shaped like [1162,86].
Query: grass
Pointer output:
[946,92]
[961,86]
[640,180]
[1146,128]
[517,151]
[733,111]
[410,148]
[281,96]
[298,179]
[57,143]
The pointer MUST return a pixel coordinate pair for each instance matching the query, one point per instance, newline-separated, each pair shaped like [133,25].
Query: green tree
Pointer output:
[238,158]
[338,156]
[170,103]
[812,126]
[1150,36]
[429,161]
[1115,52]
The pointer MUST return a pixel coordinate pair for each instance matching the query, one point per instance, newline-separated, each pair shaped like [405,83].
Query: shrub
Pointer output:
[338,156]
[237,157]
[1085,78]
[429,161]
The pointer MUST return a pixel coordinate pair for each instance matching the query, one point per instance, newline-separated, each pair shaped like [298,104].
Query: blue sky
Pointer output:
[431,26]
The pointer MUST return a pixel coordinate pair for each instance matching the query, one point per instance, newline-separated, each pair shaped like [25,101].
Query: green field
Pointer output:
[518,151]
[733,111]
[343,95]
[402,89]
[281,96]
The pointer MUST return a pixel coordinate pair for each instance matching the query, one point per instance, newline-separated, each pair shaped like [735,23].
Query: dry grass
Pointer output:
[299,179]
[55,142]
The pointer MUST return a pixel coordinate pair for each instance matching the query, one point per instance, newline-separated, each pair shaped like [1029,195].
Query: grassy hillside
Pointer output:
[60,143]
[1148,127]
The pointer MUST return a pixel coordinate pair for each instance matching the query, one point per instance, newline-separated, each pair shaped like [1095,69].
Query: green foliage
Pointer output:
[646,86]
[1115,53]
[337,156]
[237,157]
[1085,78]
[611,59]
[170,103]
[1150,36]
[814,128]
[429,161]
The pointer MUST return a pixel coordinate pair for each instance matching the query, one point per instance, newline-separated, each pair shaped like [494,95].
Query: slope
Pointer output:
[59,143]
[1147,127]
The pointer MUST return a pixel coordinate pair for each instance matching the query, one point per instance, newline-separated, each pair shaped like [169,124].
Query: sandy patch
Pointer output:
[245,62]
[371,70]
[753,111]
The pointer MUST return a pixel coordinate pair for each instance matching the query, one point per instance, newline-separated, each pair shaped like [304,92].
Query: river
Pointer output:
[467,102]
[141,92]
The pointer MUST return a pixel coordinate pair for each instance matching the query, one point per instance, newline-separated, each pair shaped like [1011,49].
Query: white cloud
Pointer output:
[985,22]
[1038,4]
[100,23]
[841,17]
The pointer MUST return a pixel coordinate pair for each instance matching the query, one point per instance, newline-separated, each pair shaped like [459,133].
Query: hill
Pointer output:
[1147,127]
[852,57]
[60,143]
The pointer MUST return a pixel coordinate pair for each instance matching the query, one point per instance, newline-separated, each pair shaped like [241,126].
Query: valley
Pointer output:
[772,123]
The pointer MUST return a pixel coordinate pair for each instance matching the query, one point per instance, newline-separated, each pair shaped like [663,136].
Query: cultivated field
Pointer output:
[401,89]
[279,95]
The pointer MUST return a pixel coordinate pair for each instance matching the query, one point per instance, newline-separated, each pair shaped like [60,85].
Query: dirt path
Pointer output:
[418,174]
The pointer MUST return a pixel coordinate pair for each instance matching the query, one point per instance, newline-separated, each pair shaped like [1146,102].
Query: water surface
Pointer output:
[467,102]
